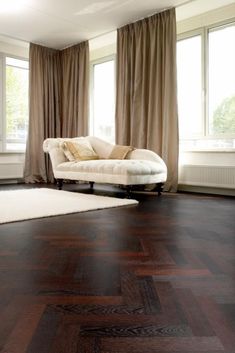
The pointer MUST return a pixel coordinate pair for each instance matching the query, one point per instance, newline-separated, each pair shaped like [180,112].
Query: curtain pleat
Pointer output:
[146,101]
[58,103]
[44,110]
[75,107]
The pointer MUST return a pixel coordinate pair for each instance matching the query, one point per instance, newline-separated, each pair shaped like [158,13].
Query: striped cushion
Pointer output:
[120,152]
[80,151]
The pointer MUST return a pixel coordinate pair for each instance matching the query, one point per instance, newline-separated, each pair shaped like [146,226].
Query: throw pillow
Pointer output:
[80,151]
[120,152]
[67,153]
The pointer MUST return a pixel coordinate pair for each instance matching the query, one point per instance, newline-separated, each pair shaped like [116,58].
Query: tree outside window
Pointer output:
[16,103]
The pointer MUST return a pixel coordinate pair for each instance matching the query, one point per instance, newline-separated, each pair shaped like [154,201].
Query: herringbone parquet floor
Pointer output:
[154,278]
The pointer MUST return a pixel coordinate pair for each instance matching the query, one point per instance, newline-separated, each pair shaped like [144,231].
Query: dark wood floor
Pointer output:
[153,278]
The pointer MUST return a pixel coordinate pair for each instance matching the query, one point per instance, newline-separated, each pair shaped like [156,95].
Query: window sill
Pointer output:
[11,152]
[225,150]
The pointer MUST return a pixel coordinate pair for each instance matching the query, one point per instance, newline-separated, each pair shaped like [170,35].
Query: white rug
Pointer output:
[18,205]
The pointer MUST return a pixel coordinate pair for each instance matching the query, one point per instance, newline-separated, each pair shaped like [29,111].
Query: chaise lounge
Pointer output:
[134,167]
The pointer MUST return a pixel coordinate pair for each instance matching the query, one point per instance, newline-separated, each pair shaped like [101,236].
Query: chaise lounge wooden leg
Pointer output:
[159,188]
[59,183]
[91,184]
[128,191]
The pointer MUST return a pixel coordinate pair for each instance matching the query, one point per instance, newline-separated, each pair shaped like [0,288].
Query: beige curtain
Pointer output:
[58,103]
[44,110]
[75,71]
[146,103]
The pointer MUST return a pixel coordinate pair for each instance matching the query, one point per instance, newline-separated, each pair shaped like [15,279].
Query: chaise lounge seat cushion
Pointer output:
[140,166]
[104,170]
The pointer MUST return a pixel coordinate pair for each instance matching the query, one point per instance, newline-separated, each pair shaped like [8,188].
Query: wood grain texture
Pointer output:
[153,278]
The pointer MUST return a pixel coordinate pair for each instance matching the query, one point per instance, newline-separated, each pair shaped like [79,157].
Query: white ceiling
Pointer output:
[61,23]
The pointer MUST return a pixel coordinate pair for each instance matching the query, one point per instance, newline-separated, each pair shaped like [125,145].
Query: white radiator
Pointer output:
[11,170]
[211,176]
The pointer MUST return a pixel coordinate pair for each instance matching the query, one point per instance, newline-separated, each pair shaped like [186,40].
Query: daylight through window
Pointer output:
[102,122]
[206,88]
[16,104]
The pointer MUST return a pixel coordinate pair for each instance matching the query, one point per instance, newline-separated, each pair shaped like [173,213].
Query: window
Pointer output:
[206,88]
[102,119]
[190,86]
[222,81]
[14,112]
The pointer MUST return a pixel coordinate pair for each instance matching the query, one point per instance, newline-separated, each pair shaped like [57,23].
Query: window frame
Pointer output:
[3,121]
[204,32]
[100,60]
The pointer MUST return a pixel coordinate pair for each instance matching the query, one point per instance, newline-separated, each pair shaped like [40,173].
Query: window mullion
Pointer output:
[206,82]
[1,102]
[4,122]
[92,92]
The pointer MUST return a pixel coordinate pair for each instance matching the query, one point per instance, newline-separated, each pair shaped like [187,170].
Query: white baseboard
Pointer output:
[206,190]
[11,181]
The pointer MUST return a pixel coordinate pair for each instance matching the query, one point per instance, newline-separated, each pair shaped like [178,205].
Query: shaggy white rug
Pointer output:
[18,205]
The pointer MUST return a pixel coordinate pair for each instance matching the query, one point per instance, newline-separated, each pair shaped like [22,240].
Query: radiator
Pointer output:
[11,170]
[211,176]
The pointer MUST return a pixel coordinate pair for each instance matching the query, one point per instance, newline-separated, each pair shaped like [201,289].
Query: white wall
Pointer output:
[14,47]
[206,19]
[103,46]
[11,164]
[102,52]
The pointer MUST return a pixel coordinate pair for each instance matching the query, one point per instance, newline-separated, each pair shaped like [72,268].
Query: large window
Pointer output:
[14,110]
[102,122]
[206,88]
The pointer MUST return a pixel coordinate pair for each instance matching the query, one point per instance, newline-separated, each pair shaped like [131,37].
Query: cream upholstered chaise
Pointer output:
[140,167]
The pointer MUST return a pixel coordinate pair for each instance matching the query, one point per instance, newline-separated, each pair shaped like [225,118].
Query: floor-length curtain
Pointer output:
[58,103]
[146,102]
[75,102]
[44,110]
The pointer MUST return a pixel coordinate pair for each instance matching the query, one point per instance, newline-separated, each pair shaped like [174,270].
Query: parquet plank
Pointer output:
[66,338]
[219,322]
[161,344]
[23,331]
[196,318]
[43,338]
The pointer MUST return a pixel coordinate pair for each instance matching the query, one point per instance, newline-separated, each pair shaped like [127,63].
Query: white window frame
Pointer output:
[2,104]
[204,32]
[3,139]
[92,65]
